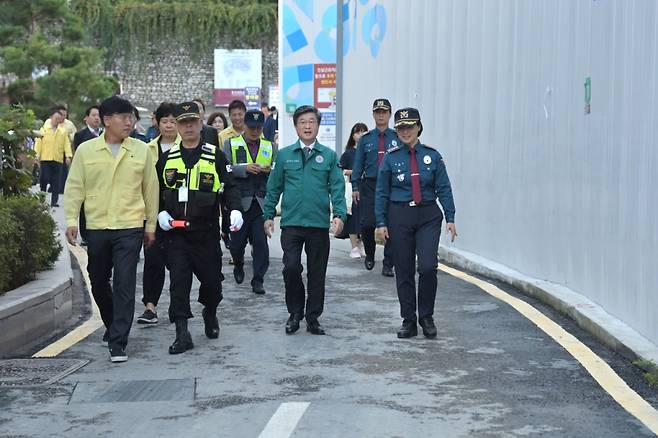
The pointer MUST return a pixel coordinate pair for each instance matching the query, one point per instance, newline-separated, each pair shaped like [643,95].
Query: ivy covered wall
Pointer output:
[163,50]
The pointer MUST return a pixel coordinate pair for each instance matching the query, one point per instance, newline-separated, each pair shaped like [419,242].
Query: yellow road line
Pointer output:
[597,367]
[84,330]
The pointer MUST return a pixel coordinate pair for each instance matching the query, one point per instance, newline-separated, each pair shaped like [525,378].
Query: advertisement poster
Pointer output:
[236,70]
[324,85]
[327,132]
[252,97]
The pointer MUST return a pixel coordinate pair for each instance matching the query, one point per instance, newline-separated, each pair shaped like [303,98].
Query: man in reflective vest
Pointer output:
[192,176]
[251,157]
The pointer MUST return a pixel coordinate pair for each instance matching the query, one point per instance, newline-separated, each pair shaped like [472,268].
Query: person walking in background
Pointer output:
[236,112]
[411,179]
[271,127]
[369,156]
[192,175]
[251,157]
[347,163]
[209,134]
[137,132]
[153,131]
[306,174]
[53,150]
[114,175]
[155,255]
[91,130]
[218,121]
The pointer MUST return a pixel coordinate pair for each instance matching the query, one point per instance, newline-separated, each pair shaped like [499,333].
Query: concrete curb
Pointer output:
[609,330]
[38,309]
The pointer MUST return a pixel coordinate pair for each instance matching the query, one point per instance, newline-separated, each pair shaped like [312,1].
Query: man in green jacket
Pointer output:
[307,175]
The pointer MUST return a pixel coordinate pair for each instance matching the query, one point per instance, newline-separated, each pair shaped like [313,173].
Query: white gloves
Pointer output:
[236,220]
[164,219]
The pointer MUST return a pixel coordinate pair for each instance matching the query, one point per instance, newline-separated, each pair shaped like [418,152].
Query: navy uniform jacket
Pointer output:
[365,162]
[394,181]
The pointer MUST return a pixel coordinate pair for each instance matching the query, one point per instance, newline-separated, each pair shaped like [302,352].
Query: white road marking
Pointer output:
[285,419]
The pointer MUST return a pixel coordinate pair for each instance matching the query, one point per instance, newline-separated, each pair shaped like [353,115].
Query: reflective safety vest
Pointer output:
[202,181]
[240,152]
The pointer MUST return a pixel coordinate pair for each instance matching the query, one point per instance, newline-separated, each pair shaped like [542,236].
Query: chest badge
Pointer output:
[401,177]
[394,143]
[319,159]
[427,159]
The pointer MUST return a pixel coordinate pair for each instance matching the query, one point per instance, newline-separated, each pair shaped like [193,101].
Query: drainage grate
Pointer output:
[134,391]
[36,372]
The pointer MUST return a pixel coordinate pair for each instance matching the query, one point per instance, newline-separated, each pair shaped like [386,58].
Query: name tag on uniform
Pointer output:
[182,194]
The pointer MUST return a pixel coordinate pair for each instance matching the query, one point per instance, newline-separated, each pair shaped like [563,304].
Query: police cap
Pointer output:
[408,117]
[187,110]
[254,118]
[381,104]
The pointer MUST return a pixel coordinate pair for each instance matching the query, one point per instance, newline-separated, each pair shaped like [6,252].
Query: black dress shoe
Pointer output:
[429,329]
[211,323]
[314,327]
[370,263]
[238,273]
[292,325]
[258,288]
[387,271]
[183,340]
[409,329]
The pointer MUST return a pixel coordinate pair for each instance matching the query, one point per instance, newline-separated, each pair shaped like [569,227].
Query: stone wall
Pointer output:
[165,74]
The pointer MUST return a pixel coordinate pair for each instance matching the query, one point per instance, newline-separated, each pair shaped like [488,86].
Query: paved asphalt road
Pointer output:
[490,373]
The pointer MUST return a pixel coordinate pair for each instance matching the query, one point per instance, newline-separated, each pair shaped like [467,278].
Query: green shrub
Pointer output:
[28,240]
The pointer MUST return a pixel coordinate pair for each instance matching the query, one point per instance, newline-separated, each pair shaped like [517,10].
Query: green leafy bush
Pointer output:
[28,240]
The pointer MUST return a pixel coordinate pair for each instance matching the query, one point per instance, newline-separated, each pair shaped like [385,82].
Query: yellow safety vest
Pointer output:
[264,157]
[202,177]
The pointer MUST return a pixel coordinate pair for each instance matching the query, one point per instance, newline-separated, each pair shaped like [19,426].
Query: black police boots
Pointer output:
[429,329]
[238,272]
[370,263]
[183,340]
[292,325]
[409,329]
[211,323]
[387,271]
[257,288]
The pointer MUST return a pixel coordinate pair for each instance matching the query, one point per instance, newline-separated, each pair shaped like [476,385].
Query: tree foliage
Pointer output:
[44,44]
[128,27]
[16,125]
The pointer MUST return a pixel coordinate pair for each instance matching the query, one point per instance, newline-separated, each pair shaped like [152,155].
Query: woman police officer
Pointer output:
[411,178]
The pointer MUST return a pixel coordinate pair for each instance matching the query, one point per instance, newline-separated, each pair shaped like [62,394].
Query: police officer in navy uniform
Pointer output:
[193,175]
[251,157]
[411,179]
[369,156]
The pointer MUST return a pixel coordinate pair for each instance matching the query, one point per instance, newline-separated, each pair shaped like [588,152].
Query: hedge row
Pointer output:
[28,240]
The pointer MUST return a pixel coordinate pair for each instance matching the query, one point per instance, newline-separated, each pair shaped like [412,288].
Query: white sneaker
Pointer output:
[355,253]
[362,250]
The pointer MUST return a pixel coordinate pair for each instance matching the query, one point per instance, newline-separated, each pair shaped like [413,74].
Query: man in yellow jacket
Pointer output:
[114,175]
[52,149]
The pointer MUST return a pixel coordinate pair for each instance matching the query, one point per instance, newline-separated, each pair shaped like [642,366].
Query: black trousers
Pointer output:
[315,242]
[154,269]
[83,222]
[115,254]
[415,231]
[50,174]
[368,222]
[198,253]
[254,232]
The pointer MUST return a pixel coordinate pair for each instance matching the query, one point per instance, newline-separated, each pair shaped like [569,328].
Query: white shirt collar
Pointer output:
[312,145]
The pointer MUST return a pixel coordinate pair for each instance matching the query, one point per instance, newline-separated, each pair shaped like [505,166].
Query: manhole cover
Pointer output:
[36,372]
